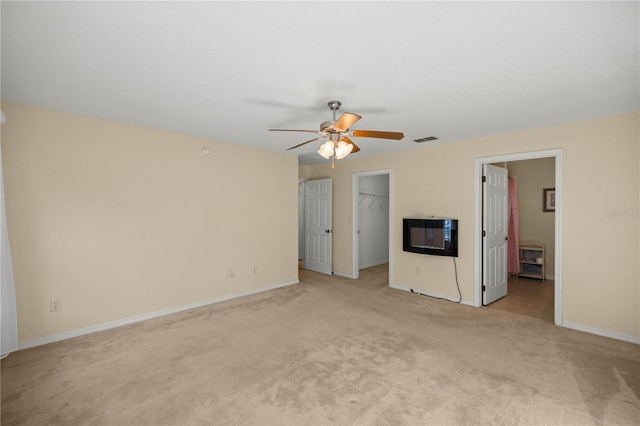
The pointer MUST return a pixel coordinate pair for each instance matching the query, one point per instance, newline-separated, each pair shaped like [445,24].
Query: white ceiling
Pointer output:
[231,70]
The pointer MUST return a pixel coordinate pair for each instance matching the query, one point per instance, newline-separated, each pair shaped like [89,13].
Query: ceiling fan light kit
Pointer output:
[339,145]
[326,149]
[336,146]
[343,149]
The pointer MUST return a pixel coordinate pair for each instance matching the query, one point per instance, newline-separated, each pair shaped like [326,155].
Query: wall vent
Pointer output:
[427,139]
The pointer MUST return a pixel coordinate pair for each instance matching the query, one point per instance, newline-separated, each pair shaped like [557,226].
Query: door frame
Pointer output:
[355,253]
[477,221]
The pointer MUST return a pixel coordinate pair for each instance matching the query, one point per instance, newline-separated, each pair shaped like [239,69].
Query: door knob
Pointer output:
[328,231]
[507,238]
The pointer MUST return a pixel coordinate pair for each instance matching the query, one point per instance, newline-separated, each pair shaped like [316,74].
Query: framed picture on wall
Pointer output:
[549,200]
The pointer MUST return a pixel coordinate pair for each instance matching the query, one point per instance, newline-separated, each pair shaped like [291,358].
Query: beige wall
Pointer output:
[601,286]
[304,171]
[536,225]
[120,221]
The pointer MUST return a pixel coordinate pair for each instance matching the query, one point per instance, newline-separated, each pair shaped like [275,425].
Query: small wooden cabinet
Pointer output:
[532,262]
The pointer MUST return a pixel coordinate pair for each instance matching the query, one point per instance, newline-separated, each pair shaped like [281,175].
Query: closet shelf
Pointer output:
[376,197]
[373,195]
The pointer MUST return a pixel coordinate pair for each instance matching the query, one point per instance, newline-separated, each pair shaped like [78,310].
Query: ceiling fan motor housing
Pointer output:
[327,125]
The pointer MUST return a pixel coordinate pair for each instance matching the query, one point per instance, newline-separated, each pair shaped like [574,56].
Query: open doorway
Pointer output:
[531,254]
[371,219]
[556,155]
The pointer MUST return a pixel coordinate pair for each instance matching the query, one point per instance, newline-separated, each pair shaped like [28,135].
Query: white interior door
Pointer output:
[300,220]
[317,225]
[494,241]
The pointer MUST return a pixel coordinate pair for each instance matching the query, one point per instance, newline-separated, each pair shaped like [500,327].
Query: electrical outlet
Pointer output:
[229,274]
[55,305]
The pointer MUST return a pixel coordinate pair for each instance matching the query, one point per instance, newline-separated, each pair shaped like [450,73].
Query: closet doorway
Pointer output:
[371,219]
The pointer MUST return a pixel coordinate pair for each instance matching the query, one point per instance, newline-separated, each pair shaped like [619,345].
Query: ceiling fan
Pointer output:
[339,145]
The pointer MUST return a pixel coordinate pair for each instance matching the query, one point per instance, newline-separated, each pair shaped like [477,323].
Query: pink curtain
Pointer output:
[513,253]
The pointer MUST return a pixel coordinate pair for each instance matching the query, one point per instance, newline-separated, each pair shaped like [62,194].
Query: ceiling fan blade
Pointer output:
[377,134]
[345,121]
[294,130]
[356,148]
[304,143]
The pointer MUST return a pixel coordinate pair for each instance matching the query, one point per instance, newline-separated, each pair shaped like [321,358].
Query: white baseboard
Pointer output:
[151,315]
[371,264]
[431,294]
[599,332]
[573,326]
[340,274]
[144,317]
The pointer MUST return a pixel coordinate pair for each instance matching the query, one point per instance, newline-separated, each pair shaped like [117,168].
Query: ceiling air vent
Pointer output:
[427,139]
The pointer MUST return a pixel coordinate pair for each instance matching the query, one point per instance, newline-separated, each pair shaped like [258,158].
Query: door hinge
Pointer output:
[484,233]
[484,288]
[484,179]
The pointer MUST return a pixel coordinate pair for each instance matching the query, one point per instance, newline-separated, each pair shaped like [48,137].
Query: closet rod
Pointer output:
[374,195]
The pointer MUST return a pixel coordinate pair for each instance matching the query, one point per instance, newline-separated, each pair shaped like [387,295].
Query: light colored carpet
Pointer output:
[329,351]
